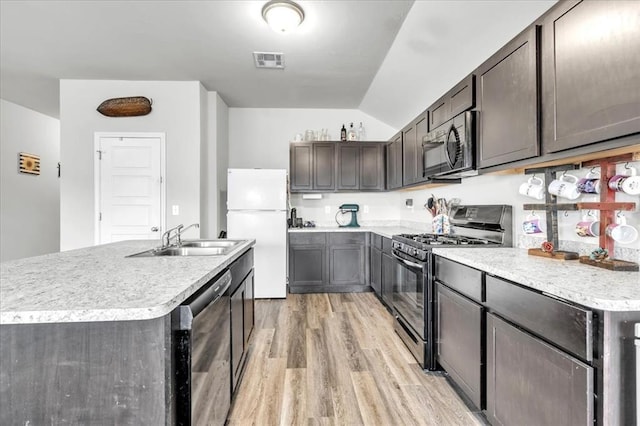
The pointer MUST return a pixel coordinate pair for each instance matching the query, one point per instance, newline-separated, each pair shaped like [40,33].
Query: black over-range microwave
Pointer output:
[449,149]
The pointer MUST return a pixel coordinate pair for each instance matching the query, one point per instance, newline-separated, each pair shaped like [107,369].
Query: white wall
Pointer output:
[222,161]
[485,189]
[260,137]
[176,112]
[214,164]
[30,205]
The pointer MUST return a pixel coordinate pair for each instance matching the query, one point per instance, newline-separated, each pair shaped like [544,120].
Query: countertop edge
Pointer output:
[127,314]
[573,296]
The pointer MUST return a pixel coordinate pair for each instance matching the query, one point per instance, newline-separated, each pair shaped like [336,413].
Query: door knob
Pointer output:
[154,229]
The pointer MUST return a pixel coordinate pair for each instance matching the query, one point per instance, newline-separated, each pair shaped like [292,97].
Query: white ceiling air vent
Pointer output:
[273,60]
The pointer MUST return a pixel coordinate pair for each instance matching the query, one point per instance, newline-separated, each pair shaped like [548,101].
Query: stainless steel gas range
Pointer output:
[413,287]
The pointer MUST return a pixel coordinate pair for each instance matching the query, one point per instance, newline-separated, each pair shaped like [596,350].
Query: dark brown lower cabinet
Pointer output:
[459,341]
[328,262]
[388,274]
[530,382]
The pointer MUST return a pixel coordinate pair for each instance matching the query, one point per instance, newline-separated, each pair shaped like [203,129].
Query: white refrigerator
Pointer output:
[257,209]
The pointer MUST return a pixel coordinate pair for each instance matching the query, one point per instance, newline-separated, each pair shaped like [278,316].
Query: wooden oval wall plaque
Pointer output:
[125,107]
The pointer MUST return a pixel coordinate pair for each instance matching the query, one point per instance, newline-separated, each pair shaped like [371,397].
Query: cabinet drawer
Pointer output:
[461,278]
[376,241]
[386,245]
[347,238]
[307,238]
[567,326]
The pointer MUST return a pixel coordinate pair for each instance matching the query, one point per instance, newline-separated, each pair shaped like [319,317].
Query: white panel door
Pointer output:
[269,229]
[256,189]
[130,188]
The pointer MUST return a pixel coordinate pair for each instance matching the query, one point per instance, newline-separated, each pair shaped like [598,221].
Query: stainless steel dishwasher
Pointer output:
[202,355]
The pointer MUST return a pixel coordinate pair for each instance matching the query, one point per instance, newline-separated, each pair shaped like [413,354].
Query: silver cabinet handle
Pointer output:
[154,229]
[406,262]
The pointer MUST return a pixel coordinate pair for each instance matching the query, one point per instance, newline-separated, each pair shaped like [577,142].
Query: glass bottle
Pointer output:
[343,134]
[351,134]
[362,135]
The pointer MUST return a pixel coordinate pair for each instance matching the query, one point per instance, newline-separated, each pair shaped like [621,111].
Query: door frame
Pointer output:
[96,175]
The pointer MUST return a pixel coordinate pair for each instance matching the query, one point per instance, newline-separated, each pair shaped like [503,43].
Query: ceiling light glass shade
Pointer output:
[282,15]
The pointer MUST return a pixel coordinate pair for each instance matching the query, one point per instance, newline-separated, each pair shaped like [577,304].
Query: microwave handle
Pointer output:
[406,262]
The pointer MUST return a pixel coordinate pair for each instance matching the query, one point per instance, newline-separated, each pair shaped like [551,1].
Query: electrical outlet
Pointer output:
[365,209]
[175,210]
[327,209]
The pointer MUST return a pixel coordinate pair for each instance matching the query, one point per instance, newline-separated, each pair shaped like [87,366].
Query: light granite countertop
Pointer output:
[570,280]
[385,231]
[101,284]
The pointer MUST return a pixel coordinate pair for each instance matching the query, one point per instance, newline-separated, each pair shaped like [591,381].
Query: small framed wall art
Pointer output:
[28,163]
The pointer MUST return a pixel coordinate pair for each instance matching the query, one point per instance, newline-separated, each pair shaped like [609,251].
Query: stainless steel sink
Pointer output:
[184,251]
[211,243]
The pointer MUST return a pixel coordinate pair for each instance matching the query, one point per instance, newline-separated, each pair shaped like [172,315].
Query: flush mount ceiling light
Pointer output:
[282,15]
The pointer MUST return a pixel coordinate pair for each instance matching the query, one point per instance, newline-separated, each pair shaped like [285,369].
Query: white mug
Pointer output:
[565,187]
[620,232]
[533,188]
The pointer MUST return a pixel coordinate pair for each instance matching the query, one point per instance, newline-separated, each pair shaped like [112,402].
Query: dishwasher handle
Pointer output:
[211,294]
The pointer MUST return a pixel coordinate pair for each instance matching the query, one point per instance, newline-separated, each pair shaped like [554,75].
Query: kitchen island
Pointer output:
[557,336]
[85,335]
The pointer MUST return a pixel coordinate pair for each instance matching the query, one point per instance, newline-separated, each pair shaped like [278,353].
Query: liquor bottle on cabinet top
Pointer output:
[351,134]
[343,134]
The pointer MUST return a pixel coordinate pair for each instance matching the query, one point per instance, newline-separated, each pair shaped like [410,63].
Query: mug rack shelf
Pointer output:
[607,207]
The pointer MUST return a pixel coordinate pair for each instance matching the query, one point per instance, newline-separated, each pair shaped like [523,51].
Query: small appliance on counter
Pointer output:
[342,217]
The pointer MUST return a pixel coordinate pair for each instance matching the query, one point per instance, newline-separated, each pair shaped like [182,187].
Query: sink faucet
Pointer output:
[183,229]
[166,237]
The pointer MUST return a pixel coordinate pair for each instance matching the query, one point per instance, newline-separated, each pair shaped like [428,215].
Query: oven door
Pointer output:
[409,289]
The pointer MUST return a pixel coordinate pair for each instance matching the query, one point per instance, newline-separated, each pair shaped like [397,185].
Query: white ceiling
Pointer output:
[330,60]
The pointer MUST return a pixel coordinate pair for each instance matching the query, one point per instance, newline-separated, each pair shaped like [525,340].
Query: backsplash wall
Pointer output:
[485,189]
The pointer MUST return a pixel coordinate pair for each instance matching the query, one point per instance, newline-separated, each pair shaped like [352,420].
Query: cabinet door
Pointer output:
[394,163]
[372,167]
[409,153]
[422,128]
[462,96]
[348,167]
[376,271]
[248,308]
[590,73]
[300,162]
[237,333]
[347,265]
[507,97]
[412,150]
[324,166]
[459,341]
[307,265]
[530,382]
[388,271]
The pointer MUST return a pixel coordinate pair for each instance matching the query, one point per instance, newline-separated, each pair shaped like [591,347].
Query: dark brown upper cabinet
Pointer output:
[590,73]
[360,166]
[507,101]
[394,162]
[301,166]
[455,101]
[324,166]
[312,166]
[412,149]
[372,172]
[348,167]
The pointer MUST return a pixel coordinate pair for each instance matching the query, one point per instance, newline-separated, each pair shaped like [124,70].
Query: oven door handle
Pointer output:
[406,262]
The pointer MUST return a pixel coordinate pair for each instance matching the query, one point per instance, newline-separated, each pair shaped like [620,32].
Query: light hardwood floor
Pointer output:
[321,359]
